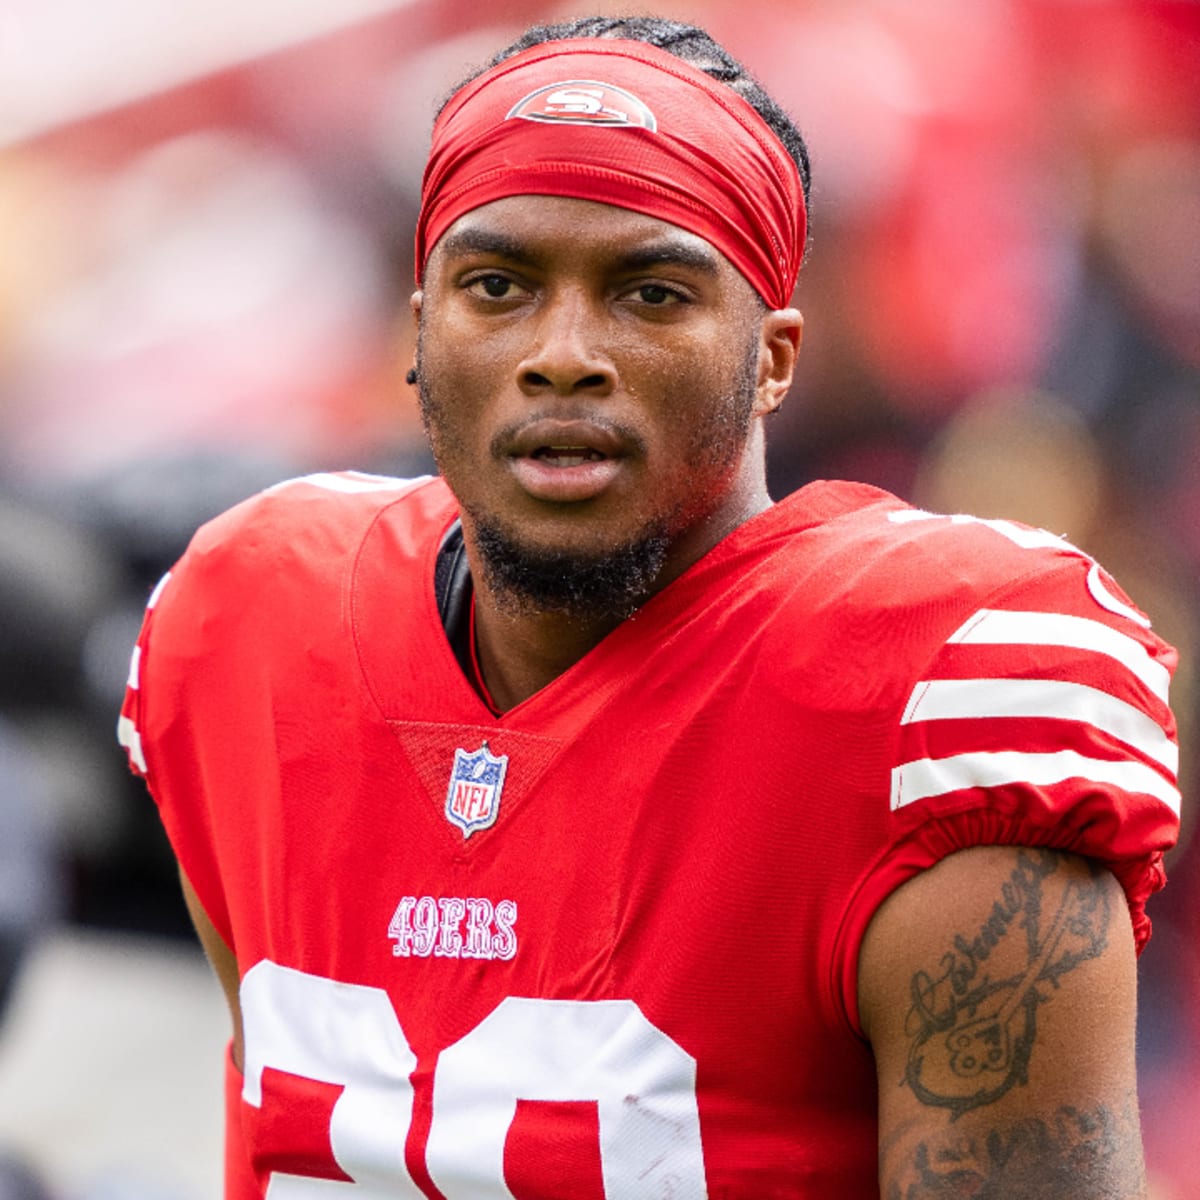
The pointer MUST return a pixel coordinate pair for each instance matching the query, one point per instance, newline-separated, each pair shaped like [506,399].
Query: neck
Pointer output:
[519,654]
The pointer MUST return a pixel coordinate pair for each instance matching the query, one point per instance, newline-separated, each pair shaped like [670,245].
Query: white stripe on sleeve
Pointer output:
[925,777]
[159,588]
[996,627]
[129,737]
[961,699]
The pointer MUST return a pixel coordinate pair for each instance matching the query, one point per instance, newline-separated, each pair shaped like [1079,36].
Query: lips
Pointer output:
[564,461]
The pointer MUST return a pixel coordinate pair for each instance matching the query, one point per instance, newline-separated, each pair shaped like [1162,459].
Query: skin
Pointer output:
[998,992]
[597,316]
[556,330]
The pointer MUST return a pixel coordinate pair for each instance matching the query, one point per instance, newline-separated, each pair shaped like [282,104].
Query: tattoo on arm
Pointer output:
[1093,1155]
[971,1030]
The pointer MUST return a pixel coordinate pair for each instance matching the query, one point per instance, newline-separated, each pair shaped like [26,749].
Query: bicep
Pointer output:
[998,990]
[222,958]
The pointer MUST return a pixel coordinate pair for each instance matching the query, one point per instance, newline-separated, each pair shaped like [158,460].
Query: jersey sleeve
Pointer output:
[1041,721]
[154,731]
[214,646]
[129,733]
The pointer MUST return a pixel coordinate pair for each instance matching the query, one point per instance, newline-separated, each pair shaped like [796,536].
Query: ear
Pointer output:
[780,335]
[415,302]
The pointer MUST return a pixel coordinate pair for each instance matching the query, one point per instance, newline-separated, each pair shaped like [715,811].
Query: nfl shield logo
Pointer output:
[473,797]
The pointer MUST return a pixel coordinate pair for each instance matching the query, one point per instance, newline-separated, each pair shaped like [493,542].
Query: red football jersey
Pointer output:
[604,945]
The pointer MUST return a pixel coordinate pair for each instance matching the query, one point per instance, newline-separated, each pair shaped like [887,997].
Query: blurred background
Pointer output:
[206,214]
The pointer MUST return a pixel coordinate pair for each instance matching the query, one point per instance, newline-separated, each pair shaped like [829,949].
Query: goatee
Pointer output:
[609,585]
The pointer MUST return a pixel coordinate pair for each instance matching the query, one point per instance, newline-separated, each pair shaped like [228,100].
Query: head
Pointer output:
[607,248]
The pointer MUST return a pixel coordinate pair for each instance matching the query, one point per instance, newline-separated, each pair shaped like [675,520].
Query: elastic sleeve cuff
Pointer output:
[1091,832]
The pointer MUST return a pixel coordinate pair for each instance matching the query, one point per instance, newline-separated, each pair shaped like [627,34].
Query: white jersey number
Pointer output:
[606,1051]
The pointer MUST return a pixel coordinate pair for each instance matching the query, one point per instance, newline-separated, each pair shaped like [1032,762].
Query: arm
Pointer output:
[224,964]
[240,1183]
[998,991]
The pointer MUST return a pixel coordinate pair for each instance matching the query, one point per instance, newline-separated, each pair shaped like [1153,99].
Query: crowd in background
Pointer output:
[205,291]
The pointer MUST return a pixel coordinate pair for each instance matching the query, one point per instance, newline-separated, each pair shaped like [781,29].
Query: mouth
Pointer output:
[567,456]
[566,461]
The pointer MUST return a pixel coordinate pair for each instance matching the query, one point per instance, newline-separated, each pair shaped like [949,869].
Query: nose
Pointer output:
[567,357]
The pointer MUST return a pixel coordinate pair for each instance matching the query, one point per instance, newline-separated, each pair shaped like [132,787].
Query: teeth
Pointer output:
[569,456]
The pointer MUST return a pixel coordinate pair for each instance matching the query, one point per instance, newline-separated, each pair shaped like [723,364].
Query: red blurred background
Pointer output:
[205,260]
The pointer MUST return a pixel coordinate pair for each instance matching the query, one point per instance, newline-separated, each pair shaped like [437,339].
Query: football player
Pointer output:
[582,823]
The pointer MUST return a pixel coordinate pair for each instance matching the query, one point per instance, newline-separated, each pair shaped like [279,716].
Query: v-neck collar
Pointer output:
[410,667]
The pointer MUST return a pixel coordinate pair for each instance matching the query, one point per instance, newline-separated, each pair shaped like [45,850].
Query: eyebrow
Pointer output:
[484,241]
[666,250]
[671,251]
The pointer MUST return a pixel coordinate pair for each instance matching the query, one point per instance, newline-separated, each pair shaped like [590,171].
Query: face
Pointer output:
[591,383]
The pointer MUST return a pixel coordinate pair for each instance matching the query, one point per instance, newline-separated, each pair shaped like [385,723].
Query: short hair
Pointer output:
[687,42]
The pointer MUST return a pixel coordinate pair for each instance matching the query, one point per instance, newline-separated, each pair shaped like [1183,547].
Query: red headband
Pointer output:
[626,124]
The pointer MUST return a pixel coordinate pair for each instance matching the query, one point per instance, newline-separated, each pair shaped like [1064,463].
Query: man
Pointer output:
[582,824]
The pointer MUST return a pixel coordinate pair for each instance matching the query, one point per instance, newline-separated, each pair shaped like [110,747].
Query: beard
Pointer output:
[609,585]
[612,582]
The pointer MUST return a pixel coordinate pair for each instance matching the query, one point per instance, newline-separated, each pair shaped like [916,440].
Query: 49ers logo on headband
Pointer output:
[583,102]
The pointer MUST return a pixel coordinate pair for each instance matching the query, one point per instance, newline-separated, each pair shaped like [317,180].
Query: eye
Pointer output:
[493,287]
[653,295]
[657,294]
